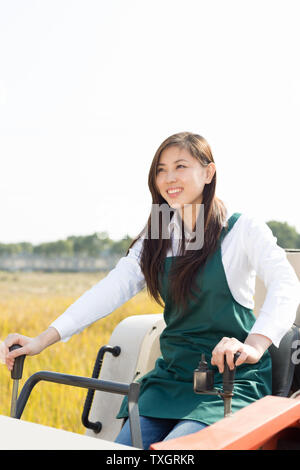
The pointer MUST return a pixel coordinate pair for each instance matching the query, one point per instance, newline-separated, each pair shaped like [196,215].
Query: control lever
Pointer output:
[16,375]
[204,382]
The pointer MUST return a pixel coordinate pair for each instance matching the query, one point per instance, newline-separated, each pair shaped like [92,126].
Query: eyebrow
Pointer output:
[181,159]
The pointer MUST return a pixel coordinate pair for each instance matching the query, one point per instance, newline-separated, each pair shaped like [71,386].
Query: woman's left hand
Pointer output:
[227,347]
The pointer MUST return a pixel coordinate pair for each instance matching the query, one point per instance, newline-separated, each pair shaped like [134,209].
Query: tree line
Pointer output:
[97,244]
[287,236]
[100,244]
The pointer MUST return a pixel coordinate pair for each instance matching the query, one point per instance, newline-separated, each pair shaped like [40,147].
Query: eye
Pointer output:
[161,169]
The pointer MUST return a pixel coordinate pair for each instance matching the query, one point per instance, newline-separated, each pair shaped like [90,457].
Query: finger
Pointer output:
[10,364]
[218,359]
[16,338]
[12,355]
[218,354]
[229,355]
[223,341]
[12,339]
[220,344]
[231,348]
[241,359]
[16,353]
[3,352]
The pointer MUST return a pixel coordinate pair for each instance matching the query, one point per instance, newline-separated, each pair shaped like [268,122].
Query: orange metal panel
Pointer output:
[248,428]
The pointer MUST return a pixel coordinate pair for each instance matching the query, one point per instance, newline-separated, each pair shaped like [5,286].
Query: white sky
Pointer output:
[90,88]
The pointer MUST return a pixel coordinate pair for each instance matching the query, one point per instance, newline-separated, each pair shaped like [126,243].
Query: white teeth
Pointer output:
[174,191]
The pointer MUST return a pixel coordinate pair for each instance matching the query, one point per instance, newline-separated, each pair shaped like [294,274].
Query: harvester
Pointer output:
[271,423]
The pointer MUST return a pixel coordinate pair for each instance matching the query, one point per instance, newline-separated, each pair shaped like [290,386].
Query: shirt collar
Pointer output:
[175,226]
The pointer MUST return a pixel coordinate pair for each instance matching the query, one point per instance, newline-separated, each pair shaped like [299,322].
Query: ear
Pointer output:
[210,171]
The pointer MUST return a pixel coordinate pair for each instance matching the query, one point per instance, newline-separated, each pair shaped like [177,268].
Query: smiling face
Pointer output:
[180,178]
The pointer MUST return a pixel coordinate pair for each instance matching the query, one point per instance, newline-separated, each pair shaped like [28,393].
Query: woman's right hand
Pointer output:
[30,347]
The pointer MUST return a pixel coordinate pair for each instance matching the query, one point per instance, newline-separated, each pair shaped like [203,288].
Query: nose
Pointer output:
[170,176]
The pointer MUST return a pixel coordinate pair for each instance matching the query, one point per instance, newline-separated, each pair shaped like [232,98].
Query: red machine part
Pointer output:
[257,426]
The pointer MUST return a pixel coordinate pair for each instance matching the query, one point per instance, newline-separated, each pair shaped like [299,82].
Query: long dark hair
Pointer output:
[187,265]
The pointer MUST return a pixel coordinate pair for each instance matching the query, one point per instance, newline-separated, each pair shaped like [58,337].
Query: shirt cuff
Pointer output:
[267,325]
[64,326]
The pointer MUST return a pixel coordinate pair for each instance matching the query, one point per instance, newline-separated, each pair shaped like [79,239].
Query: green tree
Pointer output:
[99,243]
[287,236]
[120,247]
[58,248]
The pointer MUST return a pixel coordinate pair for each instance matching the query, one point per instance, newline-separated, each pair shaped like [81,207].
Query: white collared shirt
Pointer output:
[249,249]
[175,233]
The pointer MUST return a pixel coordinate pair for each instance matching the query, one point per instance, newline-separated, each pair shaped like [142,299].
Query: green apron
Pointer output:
[167,390]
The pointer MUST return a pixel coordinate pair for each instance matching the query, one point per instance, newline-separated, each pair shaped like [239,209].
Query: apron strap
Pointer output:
[231,221]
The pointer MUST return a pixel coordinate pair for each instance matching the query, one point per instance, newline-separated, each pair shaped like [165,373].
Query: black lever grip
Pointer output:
[17,370]
[229,375]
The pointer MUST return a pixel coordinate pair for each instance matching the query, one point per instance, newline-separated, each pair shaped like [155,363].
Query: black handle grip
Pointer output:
[17,370]
[229,375]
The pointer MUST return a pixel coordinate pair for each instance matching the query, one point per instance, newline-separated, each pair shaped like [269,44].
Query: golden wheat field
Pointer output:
[29,302]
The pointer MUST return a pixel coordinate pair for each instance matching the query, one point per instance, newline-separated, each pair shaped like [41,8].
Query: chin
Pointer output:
[175,205]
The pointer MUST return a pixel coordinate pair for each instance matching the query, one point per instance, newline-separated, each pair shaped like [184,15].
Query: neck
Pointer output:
[189,214]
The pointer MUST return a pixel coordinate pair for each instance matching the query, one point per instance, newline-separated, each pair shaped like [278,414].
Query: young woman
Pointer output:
[206,290]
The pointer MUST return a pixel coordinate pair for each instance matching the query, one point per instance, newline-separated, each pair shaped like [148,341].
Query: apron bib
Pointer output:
[167,390]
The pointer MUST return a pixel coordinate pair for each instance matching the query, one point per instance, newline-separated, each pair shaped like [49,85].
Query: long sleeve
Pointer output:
[121,283]
[270,262]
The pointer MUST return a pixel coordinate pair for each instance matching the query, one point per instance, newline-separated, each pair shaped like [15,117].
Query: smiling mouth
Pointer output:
[175,192]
